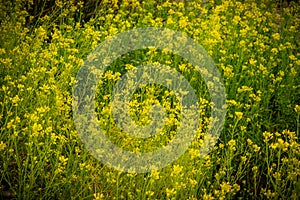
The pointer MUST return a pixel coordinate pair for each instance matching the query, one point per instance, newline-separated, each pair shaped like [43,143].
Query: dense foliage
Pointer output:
[255,45]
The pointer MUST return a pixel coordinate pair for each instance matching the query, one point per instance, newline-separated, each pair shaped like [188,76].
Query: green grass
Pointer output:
[255,46]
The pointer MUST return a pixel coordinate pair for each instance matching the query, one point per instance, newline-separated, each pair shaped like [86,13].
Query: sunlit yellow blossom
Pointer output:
[232,144]
[297,109]
[170,192]
[63,160]
[239,115]
[155,175]
[276,36]
[98,196]
[267,136]
[2,145]
[176,170]
[244,88]
[292,57]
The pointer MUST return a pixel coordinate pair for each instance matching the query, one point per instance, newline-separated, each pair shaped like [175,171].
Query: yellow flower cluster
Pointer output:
[255,47]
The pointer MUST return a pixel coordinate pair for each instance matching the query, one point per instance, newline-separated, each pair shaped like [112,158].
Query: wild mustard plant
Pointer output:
[255,46]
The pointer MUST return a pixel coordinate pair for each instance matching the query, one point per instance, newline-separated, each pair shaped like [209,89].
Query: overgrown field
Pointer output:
[255,46]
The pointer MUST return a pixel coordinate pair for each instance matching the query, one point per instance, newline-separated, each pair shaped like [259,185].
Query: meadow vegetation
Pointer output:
[254,44]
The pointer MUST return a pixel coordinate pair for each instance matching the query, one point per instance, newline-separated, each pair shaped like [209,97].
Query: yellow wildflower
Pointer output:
[2,145]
